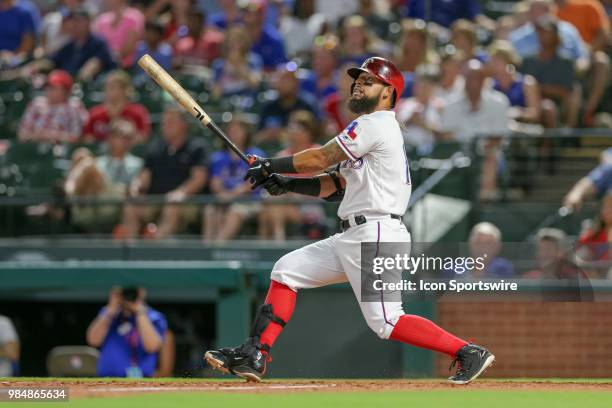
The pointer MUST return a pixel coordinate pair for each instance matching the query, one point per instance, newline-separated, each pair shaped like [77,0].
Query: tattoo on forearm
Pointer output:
[333,153]
[318,159]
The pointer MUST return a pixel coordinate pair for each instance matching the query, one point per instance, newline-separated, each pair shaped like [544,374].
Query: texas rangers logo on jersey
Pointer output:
[351,131]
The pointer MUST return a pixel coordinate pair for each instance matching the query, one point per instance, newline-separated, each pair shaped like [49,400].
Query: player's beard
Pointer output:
[364,104]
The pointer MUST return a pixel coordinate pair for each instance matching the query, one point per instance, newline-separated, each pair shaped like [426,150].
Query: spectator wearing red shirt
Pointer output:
[551,257]
[117,94]
[55,116]
[201,45]
[553,263]
[335,106]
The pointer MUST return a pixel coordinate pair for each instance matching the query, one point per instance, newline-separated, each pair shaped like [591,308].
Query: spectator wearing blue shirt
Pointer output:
[302,132]
[522,90]
[154,46]
[129,334]
[34,11]
[464,39]
[227,170]
[266,40]
[525,38]
[597,182]
[17,33]
[321,81]
[554,73]
[446,12]
[238,71]
[86,55]
[594,66]
[357,43]
[228,16]
[9,348]
[413,50]
[275,114]
[485,244]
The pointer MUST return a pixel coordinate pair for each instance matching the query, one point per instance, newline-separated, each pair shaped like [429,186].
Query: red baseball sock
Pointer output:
[282,299]
[420,332]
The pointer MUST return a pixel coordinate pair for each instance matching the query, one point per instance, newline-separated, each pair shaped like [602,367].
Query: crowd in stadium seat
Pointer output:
[55,116]
[117,103]
[260,62]
[227,182]
[485,238]
[594,243]
[107,176]
[176,167]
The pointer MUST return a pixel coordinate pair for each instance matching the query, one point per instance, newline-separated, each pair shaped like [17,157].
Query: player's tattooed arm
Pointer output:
[319,159]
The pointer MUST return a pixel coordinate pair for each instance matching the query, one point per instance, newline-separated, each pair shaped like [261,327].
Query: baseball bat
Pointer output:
[180,95]
[552,219]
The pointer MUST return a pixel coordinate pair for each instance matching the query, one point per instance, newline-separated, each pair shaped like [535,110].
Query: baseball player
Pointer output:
[371,179]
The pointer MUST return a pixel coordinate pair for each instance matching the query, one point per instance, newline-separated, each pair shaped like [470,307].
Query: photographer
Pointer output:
[9,348]
[129,334]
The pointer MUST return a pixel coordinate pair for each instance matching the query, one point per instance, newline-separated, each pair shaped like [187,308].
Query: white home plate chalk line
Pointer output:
[222,388]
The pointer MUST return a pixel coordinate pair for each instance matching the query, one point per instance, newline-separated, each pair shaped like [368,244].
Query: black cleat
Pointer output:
[250,363]
[473,360]
[246,361]
[220,359]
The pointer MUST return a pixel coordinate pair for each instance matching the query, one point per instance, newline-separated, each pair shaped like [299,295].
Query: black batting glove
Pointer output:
[277,185]
[258,172]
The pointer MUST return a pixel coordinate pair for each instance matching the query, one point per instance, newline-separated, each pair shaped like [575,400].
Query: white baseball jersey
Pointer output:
[377,175]
[377,185]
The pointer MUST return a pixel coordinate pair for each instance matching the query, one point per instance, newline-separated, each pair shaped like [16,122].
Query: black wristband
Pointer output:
[307,186]
[282,165]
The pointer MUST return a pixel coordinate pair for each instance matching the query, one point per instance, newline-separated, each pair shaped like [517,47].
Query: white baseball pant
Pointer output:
[337,259]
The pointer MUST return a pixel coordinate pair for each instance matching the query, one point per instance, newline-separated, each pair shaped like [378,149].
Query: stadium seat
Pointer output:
[72,361]
[39,163]
[14,96]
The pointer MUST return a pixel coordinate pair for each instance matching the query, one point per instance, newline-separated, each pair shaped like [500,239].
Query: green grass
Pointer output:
[429,399]
[277,380]
[446,398]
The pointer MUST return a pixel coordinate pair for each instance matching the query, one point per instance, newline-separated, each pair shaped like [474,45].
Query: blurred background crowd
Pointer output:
[81,119]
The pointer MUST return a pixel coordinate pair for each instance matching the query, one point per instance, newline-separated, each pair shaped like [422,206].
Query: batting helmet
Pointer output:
[384,70]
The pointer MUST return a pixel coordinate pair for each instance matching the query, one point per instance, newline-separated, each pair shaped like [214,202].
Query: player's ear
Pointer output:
[387,93]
